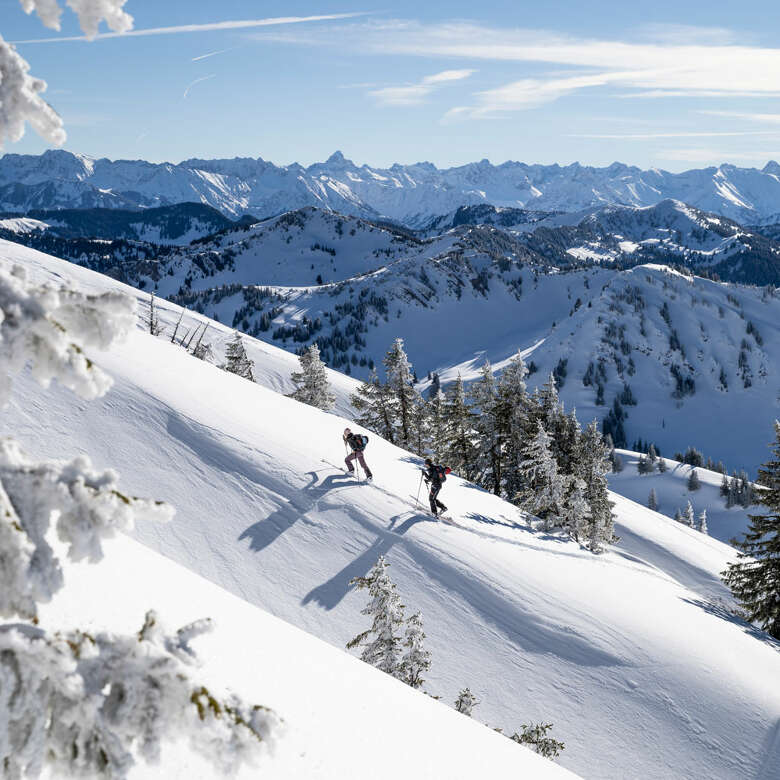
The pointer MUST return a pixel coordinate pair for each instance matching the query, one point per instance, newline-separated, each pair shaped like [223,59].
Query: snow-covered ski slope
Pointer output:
[630,654]
[339,714]
[671,491]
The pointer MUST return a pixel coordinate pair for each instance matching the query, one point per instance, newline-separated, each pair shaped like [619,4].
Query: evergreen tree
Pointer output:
[512,411]
[576,517]
[662,467]
[382,642]
[153,321]
[416,660]
[466,702]
[645,465]
[593,466]
[459,425]
[535,735]
[693,480]
[678,515]
[237,360]
[652,455]
[755,578]
[488,464]
[374,406]
[703,521]
[311,382]
[689,516]
[724,487]
[543,488]
[420,428]
[401,390]
[652,500]
[437,426]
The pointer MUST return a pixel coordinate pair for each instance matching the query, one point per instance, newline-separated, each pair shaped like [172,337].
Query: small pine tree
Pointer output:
[401,388]
[466,702]
[416,660]
[652,500]
[703,521]
[690,516]
[724,487]
[693,481]
[755,578]
[237,360]
[459,424]
[155,328]
[382,642]
[662,467]
[543,487]
[535,735]
[645,465]
[678,515]
[311,382]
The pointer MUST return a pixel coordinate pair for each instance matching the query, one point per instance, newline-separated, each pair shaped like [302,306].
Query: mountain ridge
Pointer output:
[411,194]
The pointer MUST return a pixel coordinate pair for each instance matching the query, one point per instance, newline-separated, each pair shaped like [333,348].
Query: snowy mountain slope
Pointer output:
[695,355]
[177,224]
[411,194]
[672,494]
[272,366]
[544,629]
[339,714]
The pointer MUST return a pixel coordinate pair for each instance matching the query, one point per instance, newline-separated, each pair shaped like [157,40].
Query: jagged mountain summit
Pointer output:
[411,194]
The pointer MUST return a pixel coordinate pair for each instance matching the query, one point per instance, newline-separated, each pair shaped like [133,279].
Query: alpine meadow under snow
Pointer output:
[545,630]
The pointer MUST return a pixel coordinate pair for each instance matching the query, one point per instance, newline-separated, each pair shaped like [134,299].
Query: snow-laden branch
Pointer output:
[90,705]
[50,329]
[85,506]
[90,13]
[21,101]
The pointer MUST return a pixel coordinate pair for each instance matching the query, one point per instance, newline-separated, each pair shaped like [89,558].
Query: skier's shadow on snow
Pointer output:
[330,593]
[265,532]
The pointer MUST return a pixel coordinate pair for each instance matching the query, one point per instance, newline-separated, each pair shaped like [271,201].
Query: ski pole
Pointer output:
[419,488]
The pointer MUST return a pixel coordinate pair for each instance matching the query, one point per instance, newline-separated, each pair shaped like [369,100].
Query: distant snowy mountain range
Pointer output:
[413,195]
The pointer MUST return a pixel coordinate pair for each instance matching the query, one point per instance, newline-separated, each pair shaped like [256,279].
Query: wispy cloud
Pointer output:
[649,136]
[212,54]
[772,119]
[197,81]
[707,155]
[669,61]
[189,28]
[414,94]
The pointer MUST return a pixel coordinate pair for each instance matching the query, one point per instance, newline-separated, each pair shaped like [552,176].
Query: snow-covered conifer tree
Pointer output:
[724,487]
[703,521]
[459,424]
[512,413]
[86,704]
[382,644]
[689,518]
[489,455]
[652,500]
[694,483]
[466,702]
[436,423]
[535,735]
[416,660]
[576,516]
[238,361]
[593,466]
[311,382]
[400,385]
[755,578]
[543,488]
[374,405]
[662,467]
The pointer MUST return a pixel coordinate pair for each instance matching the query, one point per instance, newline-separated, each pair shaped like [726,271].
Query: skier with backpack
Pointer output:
[434,475]
[357,443]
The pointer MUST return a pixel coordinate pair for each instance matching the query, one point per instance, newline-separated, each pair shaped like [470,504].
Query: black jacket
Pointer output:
[355,441]
[432,475]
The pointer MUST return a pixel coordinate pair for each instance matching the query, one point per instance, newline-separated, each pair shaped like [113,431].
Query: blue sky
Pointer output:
[673,85]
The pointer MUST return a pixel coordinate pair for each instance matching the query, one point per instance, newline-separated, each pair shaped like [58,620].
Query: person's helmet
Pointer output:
[428,462]
[347,431]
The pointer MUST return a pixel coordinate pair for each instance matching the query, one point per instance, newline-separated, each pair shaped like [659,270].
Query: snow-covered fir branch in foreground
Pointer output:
[79,703]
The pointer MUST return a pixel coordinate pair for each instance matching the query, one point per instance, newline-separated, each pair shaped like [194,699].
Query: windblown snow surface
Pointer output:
[632,654]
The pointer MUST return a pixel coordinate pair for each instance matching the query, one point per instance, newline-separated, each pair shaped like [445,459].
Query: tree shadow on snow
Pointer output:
[721,611]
